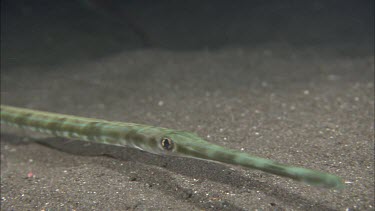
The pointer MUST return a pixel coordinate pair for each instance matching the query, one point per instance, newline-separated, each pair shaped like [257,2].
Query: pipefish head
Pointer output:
[187,144]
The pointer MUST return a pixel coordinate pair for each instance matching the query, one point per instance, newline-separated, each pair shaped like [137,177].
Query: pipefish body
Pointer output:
[155,140]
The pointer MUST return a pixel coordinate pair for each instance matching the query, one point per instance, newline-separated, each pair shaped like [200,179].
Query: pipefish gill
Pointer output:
[155,140]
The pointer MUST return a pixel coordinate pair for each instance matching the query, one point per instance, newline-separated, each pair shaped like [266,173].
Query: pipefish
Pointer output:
[157,140]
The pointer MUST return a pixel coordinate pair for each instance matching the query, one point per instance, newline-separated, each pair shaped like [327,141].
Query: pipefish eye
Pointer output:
[167,143]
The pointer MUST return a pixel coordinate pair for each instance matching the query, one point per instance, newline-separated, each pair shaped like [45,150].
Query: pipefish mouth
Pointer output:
[156,140]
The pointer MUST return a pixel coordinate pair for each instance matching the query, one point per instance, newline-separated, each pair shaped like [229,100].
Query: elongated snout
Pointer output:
[207,151]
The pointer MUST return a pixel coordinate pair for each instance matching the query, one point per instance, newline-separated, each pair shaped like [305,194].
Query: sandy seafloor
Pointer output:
[292,82]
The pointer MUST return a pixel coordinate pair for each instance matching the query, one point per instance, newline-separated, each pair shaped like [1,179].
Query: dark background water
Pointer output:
[42,32]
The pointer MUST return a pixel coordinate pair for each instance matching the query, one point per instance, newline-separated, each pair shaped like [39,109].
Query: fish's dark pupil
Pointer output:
[167,143]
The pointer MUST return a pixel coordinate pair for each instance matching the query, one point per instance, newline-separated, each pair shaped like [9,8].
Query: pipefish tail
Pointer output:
[155,140]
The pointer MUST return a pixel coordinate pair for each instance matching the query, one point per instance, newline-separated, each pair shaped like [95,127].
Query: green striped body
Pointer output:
[154,140]
[86,129]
